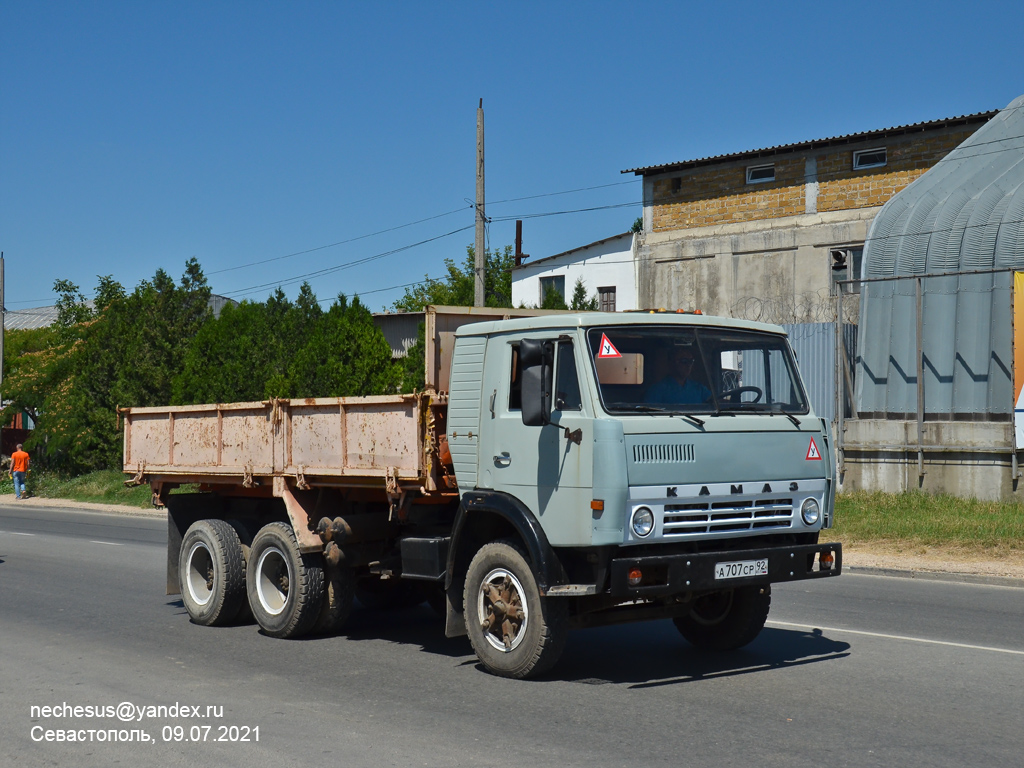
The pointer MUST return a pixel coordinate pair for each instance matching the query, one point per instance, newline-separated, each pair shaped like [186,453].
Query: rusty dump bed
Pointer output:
[339,441]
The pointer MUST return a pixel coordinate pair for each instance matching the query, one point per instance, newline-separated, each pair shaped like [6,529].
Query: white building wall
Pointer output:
[606,263]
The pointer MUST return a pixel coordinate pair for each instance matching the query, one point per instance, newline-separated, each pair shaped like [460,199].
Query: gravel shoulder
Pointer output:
[881,559]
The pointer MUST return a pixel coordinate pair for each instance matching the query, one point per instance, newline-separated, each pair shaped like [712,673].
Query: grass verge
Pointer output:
[919,522]
[102,487]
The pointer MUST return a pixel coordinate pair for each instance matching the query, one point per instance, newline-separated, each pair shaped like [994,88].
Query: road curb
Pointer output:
[962,578]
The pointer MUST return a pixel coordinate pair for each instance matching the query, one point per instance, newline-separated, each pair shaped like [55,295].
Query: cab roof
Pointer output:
[592,319]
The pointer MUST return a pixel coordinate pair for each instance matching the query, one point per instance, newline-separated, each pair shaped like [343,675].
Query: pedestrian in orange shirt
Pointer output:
[19,466]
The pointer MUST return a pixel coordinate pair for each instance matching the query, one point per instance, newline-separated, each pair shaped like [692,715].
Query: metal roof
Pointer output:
[571,250]
[960,222]
[850,138]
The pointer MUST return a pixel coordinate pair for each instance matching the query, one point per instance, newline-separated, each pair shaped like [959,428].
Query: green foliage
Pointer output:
[458,287]
[553,300]
[345,355]
[234,357]
[414,372]
[257,351]
[580,302]
[123,351]
[99,487]
[638,225]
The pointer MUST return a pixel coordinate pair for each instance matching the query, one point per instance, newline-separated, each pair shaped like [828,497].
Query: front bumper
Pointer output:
[674,574]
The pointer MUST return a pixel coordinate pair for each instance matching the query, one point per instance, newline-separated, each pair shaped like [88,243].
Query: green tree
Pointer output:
[458,287]
[345,355]
[124,351]
[553,300]
[231,358]
[580,302]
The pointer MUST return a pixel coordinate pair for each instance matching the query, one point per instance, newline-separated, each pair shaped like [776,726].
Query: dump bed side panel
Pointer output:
[330,437]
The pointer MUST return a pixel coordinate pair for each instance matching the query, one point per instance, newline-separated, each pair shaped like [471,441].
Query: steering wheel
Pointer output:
[734,394]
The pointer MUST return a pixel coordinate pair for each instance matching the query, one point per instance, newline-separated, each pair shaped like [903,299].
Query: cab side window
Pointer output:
[567,383]
[515,385]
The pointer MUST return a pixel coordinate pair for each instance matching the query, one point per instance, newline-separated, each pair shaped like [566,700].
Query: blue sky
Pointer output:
[136,135]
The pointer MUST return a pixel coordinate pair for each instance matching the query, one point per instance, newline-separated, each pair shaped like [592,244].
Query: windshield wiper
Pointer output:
[788,415]
[664,411]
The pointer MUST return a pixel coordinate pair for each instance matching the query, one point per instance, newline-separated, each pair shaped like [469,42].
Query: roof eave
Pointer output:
[783,149]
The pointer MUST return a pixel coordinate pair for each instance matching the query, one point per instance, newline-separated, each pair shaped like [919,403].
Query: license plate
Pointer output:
[740,569]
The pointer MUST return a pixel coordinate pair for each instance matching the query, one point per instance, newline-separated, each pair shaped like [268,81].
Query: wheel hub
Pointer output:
[503,613]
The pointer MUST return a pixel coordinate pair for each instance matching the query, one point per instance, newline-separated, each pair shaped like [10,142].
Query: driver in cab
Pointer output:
[678,388]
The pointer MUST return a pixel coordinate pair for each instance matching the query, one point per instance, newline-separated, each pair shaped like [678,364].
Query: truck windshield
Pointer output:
[653,369]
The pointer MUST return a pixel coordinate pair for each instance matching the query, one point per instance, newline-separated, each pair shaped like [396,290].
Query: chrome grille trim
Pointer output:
[732,515]
[698,511]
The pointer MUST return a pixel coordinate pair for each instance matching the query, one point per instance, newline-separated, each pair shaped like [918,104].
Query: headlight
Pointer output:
[810,511]
[643,522]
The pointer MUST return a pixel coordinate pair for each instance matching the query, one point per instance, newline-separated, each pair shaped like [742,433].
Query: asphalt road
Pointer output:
[855,671]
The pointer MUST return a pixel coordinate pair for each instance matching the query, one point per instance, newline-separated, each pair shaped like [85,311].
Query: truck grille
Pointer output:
[732,515]
[667,453]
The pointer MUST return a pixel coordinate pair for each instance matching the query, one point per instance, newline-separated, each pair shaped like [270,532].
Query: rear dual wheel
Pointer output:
[285,586]
[211,573]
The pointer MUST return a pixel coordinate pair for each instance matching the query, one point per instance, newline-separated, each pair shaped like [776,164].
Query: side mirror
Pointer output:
[535,364]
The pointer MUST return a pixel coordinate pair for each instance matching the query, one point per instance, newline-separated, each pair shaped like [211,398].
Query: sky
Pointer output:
[335,142]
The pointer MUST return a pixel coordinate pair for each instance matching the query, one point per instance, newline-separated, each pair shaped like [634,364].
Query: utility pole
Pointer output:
[478,300]
[519,244]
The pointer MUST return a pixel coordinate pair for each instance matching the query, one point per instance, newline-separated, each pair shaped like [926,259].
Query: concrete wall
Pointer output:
[950,467]
[760,251]
[778,271]
[609,262]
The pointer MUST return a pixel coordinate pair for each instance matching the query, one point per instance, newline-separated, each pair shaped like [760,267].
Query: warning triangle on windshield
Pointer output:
[607,349]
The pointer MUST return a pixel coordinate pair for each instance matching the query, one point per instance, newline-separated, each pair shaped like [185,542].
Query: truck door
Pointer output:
[542,467]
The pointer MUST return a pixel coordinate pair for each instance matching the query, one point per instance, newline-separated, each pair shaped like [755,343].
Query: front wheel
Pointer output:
[285,587]
[211,573]
[726,620]
[514,631]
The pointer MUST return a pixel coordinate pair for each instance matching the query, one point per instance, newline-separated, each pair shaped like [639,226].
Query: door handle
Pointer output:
[503,459]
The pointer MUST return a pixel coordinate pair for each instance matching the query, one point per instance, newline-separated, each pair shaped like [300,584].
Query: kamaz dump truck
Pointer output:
[558,471]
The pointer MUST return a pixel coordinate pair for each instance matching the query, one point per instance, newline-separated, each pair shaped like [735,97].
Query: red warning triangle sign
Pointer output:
[607,349]
[812,452]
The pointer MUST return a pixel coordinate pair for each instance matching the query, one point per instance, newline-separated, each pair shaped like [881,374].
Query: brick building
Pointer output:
[762,234]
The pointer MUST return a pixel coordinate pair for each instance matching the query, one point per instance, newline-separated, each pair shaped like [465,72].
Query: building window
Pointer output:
[606,298]
[845,264]
[759,173]
[555,283]
[869,158]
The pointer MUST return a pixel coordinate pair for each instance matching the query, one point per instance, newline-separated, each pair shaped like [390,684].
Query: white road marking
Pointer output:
[108,543]
[16,533]
[897,637]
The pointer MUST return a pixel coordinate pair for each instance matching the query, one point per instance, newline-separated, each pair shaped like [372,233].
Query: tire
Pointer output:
[285,587]
[339,588]
[725,621]
[388,594]
[211,573]
[530,639]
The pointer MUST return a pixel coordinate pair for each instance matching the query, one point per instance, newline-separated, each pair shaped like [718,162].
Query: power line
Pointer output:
[333,245]
[567,192]
[339,267]
[413,223]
